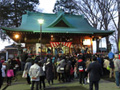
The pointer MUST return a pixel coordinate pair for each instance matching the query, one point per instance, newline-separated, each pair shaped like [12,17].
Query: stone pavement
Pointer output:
[74,85]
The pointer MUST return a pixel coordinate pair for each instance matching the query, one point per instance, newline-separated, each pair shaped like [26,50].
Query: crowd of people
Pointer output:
[64,68]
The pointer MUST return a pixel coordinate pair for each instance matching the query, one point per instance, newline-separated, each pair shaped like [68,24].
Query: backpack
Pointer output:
[80,69]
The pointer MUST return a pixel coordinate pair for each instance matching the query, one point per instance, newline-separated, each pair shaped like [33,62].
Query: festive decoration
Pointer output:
[55,44]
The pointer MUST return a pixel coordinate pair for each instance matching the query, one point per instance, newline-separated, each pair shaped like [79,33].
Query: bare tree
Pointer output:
[118,29]
[99,13]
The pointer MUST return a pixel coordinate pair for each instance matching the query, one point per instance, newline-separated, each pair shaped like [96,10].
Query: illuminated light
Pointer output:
[100,37]
[51,36]
[41,21]
[86,42]
[17,36]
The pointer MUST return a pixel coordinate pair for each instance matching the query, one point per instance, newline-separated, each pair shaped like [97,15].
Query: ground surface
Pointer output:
[21,84]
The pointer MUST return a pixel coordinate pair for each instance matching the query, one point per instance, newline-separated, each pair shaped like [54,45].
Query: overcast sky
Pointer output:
[47,5]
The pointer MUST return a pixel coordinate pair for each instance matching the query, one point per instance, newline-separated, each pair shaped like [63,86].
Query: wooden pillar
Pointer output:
[91,45]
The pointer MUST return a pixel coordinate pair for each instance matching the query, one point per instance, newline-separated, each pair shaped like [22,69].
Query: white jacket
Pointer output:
[3,70]
[34,72]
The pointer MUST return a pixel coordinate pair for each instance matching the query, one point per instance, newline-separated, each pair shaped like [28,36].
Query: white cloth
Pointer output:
[34,72]
[43,67]
[3,71]
[106,63]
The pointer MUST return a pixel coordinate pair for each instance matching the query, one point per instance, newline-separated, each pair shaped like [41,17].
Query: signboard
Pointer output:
[87,42]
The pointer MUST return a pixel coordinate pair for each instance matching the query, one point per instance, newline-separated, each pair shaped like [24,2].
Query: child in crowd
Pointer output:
[10,74]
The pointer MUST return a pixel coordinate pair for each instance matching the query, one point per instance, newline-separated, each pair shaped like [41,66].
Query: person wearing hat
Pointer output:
[117,69]
[34,73]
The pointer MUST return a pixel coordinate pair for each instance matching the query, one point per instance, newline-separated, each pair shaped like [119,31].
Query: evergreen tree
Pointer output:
[11,12]
[68,6]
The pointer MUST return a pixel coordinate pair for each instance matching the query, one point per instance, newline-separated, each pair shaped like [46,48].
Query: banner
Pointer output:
[55,44]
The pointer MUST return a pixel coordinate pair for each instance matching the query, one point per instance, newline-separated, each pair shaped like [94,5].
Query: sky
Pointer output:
[47,5]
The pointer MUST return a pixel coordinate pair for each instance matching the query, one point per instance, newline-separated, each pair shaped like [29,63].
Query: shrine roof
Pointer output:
[56,23]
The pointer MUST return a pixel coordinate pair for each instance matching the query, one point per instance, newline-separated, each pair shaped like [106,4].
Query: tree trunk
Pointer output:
[108,44]
[118,44]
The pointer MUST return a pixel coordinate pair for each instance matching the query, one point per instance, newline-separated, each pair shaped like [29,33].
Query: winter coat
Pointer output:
[95,71]
[68,67]
[41,71]
[34,72]
[61,66]
[3,70]
[117,64]
[49,71]
[27,66]
[81,64]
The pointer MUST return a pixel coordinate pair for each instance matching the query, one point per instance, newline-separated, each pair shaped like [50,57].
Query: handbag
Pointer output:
[80,69]
[10,73]
[62,69]
[24,75]
[108,67]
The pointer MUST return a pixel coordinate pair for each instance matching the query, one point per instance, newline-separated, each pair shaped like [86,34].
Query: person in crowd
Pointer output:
[8,67]
[111,55]
[112,73]
[117,70]
[95,73]
[15,67]
[2,60]
[73,61]
[49,71]
[67,71]
[106,66]
[87,63]
[43,66]
[42,76]
[34,73]
[71,73]
[61,69]
[3,72]
[83,50]
[48,51]
[56,51]
[10,74]
[99,59]
[81,69]
[27,68]
[24,57]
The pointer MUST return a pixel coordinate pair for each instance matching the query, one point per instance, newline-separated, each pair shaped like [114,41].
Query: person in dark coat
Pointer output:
[24,57]
[67,71]
[95,73]
[42,76]
[61,70]
[27,68]
[49,71]
[81,69]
